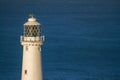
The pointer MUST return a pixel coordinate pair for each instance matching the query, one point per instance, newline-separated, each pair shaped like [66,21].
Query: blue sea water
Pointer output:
[82,38]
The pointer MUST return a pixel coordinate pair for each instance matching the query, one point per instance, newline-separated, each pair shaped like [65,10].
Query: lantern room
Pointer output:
[32,28]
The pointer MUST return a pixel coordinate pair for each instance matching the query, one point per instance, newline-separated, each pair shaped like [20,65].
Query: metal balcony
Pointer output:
[32,39]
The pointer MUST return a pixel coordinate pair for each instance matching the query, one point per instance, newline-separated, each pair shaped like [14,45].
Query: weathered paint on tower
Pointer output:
[32,41]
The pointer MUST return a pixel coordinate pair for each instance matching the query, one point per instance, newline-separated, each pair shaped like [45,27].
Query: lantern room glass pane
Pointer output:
[32,31]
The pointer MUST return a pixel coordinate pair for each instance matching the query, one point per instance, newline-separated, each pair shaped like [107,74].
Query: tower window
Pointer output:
[25,71]
[26,48]
[38,48]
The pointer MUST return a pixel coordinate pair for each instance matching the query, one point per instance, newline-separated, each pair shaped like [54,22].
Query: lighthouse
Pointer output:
[31,42]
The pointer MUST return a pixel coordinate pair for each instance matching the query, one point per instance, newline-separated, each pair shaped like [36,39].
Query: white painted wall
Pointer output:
[32,62]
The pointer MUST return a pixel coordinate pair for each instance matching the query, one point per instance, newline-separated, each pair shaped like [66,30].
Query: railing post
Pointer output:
[43,38]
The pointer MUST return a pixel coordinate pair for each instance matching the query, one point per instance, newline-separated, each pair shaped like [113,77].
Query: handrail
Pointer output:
[32,39]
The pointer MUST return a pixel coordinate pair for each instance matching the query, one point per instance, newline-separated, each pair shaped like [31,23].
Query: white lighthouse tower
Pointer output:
[32,41]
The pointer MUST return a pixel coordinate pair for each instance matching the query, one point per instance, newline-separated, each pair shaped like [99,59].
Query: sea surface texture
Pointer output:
[82,38]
